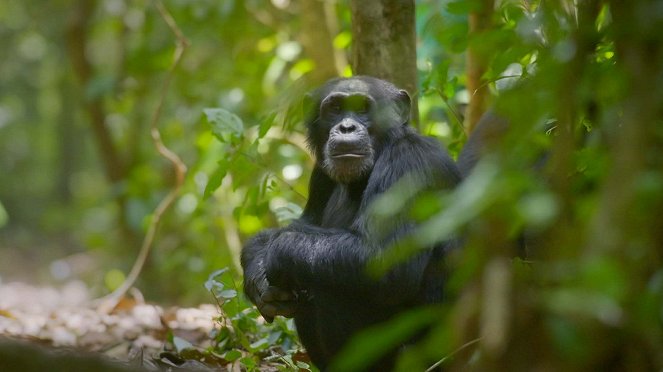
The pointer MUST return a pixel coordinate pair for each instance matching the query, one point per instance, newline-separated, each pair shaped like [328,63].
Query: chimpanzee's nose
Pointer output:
[347,127]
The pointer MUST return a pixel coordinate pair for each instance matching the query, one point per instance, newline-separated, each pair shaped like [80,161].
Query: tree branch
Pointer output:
[110,301]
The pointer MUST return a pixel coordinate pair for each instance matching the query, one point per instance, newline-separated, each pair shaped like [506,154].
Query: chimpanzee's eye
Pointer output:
[333,105]
[357,104]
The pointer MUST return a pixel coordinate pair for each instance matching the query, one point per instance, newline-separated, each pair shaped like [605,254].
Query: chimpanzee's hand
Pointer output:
[277,301]
[270,300]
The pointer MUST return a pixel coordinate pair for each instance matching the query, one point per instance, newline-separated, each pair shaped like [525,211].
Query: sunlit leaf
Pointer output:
[249,224]
[302,67]
[225,124]
[227,294]
[232,355]
[4,217]
[342,40]
[261,344]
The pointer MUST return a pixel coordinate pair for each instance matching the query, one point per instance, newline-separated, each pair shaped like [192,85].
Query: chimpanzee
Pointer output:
[315,269]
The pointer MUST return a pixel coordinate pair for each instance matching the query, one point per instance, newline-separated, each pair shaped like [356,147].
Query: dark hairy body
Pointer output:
[315,269]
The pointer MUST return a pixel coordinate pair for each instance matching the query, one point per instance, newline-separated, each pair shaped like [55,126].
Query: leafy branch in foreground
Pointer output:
[243,337]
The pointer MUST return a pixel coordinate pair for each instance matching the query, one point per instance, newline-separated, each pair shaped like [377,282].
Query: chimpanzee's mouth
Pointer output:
[349,155]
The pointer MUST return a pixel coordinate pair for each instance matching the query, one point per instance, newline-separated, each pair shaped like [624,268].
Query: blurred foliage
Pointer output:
[54,186]
[578,178]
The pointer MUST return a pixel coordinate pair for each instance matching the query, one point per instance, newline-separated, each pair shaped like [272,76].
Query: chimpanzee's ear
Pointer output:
[404,104]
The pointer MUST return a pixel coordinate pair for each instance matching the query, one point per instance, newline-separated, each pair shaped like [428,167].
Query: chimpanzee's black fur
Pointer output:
[315,268]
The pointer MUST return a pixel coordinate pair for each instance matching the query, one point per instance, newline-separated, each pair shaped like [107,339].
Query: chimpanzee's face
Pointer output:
[350,118]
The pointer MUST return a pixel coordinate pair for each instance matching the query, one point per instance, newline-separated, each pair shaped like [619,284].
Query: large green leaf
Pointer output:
[226,126]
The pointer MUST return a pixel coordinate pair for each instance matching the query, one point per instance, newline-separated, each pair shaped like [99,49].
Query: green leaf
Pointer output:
[4,217]
[225,124]
[212,284]
[218,289]
[266,124]
[213,280]
[369,345]
[288,213]
[274,337]
[261,344]
[222,335]
[216,178]
[232,355]
[303,366]
[217,273]
[248,362]
[343,40]
[227,294]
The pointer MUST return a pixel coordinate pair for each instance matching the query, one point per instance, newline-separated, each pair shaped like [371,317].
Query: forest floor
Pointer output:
[138,334]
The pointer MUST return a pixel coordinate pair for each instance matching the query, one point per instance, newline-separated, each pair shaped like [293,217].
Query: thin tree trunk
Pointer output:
[68,145]
[76,39]
[318,31]
[477,63]
[114,166]
[634,143]
[565,142]
[384,43]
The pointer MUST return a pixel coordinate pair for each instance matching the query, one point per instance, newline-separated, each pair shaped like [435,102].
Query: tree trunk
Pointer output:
[318,31]
[384,43]
[76,40]
[477,63]
[68,143]
[114,165]
[635,144]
